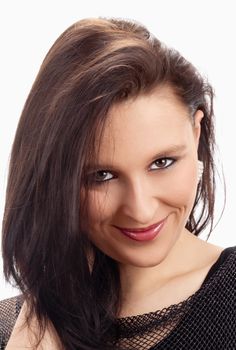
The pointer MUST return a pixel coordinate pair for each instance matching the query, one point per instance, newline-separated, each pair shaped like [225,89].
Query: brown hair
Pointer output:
[92,65]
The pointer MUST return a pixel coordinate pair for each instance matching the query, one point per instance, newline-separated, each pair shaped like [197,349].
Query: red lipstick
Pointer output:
[143,234]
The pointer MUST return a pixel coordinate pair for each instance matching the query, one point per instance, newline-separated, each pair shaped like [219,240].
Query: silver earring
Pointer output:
[200,170]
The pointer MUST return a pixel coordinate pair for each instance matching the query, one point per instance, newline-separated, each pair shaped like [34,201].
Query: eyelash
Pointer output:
[92,177]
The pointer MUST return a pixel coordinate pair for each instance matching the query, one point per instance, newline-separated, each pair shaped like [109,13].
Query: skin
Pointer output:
[166,270]
[23,338]
[130,189]
[138,133]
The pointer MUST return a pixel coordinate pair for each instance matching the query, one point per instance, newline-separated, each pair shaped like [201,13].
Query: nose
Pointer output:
[140,202]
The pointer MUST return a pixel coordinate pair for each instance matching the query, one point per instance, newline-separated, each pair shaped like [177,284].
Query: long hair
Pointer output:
[94,64]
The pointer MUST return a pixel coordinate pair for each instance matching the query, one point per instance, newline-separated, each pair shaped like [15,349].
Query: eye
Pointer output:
[101,176]
[162,163]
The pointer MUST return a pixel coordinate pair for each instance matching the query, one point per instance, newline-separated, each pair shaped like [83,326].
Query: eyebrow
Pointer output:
[170,151]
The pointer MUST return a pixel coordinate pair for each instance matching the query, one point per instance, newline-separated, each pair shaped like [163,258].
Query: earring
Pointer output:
[200,170]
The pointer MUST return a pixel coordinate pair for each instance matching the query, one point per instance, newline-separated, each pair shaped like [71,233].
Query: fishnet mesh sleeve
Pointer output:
[9,311]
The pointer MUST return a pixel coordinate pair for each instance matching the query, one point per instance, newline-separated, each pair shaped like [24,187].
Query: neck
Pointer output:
[139,283]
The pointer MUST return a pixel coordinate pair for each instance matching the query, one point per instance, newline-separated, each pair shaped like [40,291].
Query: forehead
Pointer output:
[148,126]
[155,116]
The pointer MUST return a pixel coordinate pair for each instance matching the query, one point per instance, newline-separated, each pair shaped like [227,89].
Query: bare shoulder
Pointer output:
[23,337]
[9,311]
[201,253]
[209,253]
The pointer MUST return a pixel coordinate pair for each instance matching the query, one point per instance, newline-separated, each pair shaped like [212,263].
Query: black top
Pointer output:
[223,256]
[206,320]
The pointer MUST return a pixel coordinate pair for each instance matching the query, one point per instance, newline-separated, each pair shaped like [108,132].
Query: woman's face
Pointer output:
[146,176]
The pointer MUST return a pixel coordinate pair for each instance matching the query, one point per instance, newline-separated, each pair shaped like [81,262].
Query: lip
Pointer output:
[143,234]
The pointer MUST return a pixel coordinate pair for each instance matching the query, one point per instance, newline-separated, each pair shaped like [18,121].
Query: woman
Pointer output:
[111,182]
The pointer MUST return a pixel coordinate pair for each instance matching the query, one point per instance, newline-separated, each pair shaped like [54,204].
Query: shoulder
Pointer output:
[220,282]
[225,264]
[204,256]
[25,336]
[9,311]
[214,304]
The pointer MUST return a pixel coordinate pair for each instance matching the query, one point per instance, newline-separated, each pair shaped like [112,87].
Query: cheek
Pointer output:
[100,206]
[101,209]
[182,189]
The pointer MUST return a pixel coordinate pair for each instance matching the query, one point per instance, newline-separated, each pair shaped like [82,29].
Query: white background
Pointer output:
[203,31]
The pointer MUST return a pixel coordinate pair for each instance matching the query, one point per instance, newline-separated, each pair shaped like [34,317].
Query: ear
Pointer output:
[197,124]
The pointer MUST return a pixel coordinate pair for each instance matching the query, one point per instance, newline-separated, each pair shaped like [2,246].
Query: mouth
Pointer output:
[143,234]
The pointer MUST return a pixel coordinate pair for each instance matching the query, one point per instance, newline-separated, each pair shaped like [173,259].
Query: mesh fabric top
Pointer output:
[9,311]
[206,320]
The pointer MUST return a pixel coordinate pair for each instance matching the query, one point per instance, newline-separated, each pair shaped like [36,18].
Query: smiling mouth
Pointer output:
[143,234]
